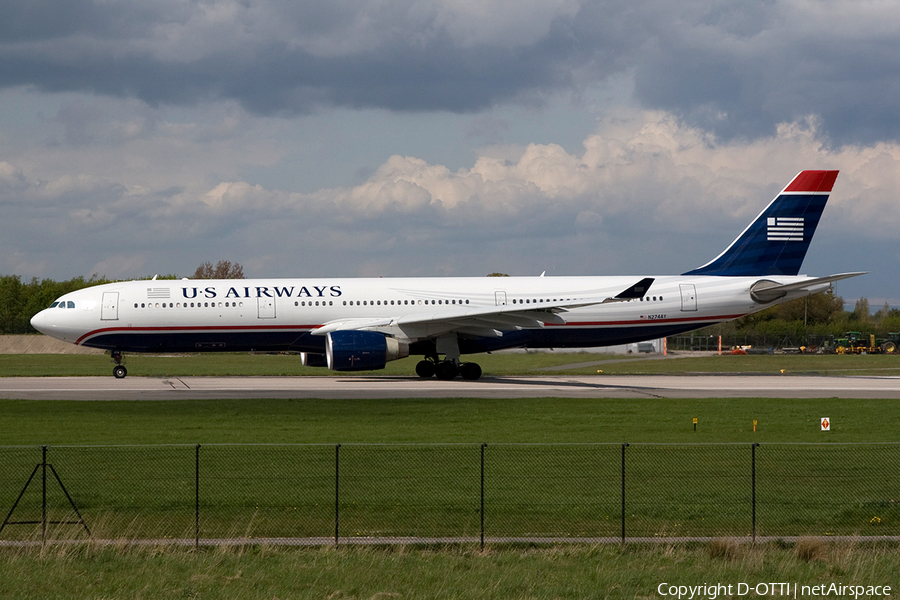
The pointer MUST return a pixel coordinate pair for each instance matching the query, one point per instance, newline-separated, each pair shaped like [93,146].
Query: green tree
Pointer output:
[12,301]
[861,310]
[224,269]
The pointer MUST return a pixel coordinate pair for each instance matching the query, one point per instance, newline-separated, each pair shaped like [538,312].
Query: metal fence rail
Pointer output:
[448,493]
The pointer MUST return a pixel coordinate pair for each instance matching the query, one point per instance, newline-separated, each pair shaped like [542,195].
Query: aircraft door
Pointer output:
[266,307]
[500,298]
[688,296]
[109,306]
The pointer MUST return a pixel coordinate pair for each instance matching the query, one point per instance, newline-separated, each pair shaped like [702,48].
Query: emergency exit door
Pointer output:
[688,296]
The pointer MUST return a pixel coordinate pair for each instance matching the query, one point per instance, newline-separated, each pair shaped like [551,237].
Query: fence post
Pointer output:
[197,496]
[43,494]
[623,491]
[483,446]
[753,484]
[337,452]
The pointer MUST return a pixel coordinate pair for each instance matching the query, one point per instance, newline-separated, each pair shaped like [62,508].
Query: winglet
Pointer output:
[634,292]
[775,243]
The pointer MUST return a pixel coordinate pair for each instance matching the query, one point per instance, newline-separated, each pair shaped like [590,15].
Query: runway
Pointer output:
[342,387]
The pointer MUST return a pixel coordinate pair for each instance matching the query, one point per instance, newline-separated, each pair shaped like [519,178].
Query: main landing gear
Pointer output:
[445,370]
[450,367]
[119,371]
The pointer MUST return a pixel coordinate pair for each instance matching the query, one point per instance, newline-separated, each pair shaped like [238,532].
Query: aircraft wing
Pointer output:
[766,290]
[482,322]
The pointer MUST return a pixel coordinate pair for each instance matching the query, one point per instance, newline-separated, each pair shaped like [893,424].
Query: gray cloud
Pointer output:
[737,69]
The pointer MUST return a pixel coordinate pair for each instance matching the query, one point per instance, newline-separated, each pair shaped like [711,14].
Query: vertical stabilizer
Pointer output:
[775,243]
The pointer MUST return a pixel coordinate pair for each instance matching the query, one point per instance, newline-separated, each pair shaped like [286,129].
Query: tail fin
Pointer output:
[775,243]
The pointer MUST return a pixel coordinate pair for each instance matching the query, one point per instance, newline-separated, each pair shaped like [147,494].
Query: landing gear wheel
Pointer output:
[119,371]
[425,369]
[446,370]
[470,371]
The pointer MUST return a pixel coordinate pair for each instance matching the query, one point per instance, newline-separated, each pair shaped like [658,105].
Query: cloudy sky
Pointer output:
[441,137]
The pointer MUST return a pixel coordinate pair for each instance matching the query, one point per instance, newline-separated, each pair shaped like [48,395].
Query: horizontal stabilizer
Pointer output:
[764,291]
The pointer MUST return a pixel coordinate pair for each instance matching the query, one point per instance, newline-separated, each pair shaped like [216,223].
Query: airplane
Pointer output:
[357,324]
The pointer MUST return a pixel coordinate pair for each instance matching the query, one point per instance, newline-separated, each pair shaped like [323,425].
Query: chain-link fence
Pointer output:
[448,493]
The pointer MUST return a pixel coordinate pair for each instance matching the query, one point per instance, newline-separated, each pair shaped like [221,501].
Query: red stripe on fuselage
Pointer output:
[307,328]
[298,328]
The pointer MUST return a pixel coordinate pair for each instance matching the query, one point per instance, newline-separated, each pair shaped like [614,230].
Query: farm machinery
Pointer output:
[855,342]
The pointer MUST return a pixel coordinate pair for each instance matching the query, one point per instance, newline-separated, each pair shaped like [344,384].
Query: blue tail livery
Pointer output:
[775,243]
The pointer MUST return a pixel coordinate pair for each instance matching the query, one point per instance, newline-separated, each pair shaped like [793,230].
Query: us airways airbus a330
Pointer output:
[361,324]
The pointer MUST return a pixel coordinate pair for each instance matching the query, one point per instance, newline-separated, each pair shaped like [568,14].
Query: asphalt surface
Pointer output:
[595,386]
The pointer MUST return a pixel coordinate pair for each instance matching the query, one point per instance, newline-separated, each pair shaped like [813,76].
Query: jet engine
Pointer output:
[362,350]
[311,359]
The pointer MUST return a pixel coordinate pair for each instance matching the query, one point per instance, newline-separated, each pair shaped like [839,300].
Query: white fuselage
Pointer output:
[486,313]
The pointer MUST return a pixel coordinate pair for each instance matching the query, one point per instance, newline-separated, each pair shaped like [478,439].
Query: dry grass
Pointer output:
[808,549]
[82,571]
[726,548]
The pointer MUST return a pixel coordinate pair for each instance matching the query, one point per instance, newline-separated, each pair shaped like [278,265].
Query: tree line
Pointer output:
[819,315]
[21,300]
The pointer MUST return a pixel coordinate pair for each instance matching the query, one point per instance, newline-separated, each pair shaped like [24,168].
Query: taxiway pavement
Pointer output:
[337,387]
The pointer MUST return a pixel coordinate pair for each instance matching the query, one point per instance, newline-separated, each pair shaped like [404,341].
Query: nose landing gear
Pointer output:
[119,371]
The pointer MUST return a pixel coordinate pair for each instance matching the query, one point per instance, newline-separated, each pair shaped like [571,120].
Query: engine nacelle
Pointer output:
[362,350]
[311,359]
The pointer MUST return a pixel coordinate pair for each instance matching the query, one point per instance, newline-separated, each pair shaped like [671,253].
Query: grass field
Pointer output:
[452,420]
[503,363]
[572,572]
[670,489]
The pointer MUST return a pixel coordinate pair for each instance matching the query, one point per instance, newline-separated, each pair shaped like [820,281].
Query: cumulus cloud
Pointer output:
[646,193]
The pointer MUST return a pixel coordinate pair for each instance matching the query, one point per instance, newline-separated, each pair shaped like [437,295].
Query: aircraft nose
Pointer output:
[40,322]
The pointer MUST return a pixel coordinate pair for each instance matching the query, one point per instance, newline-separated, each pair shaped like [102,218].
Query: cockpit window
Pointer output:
[54,304]
[70,304]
